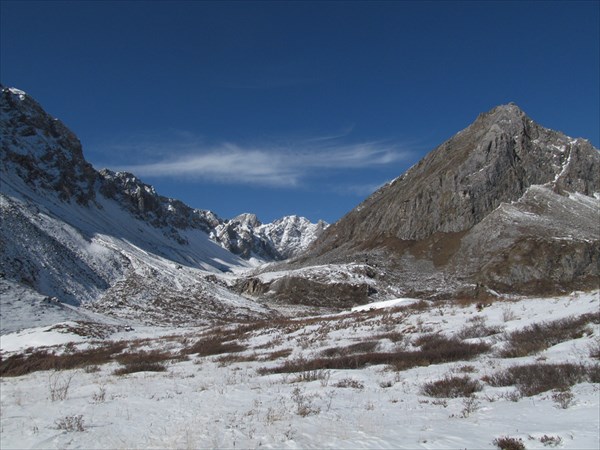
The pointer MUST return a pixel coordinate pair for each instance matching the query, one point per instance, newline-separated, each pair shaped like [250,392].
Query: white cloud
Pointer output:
[278,166]
[361,190]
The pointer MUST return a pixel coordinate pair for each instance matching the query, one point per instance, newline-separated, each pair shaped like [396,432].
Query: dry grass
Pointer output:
[540,336]
[533,379]
[452,387]
[38,360]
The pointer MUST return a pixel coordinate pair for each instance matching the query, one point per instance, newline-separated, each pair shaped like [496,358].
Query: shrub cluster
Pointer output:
[533,379]
[452,387]
[37,360]
[142,361]
[214,345]
[540,336]
[509,443]
[434,349]
[477,329]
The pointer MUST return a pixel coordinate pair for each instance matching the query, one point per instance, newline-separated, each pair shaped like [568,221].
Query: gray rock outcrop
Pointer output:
[505,205]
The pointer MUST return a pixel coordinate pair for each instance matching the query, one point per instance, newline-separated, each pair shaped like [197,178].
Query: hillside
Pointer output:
[106,240]
[504,206]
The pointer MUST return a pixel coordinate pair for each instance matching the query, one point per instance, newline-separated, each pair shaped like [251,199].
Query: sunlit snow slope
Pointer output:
[62,236]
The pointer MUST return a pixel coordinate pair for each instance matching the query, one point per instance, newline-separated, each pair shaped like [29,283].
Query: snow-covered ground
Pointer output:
[234,400]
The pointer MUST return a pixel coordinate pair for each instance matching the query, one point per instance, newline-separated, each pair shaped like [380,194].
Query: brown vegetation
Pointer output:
[452,387]
[22,364]
[532,379]
[540,336]
[434,350]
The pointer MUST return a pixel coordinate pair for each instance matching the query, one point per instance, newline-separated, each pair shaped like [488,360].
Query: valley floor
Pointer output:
[411,374]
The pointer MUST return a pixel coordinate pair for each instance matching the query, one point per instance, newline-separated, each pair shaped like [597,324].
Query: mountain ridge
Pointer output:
[101,240]
[55,161]
[416,233]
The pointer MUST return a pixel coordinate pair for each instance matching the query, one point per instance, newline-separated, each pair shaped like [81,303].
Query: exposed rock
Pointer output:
[455,186]
[42,150]
[504,205]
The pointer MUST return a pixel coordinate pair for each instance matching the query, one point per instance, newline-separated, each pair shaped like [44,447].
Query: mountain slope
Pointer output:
[101,240]
[504,205]
[455,186]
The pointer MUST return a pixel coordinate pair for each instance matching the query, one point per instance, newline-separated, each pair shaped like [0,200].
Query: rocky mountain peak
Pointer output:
[247,220]
[440,219]
[42,150]
[455,186]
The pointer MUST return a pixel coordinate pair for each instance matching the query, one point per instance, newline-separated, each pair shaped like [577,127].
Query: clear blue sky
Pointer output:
[294,108]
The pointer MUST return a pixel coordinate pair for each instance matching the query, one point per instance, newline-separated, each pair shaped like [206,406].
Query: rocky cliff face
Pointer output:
[162,212]
[42,150]
[102,240]
[244,235]
[505,205]
[454,187]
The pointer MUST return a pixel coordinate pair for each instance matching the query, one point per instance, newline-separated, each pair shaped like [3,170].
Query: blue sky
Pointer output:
[299,108]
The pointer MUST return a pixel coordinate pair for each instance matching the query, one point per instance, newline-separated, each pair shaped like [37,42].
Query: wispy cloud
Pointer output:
[360,190]
[287,165]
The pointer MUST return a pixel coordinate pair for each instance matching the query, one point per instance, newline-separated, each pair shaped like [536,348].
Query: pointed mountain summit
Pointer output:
[454,187]
[429,232]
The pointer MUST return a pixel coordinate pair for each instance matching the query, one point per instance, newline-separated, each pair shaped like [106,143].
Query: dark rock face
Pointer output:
[142,200]
[455,186]
[42,150]
[486,209]
[543,243]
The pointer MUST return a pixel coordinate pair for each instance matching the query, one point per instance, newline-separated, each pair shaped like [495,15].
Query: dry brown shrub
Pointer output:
[509,443]
[540,336]
[37,360]
[278,354]
[452,387]
[350,383]
[141,367]
[214,345]
[434,350]
[359,347]
[533,379]
[144,357]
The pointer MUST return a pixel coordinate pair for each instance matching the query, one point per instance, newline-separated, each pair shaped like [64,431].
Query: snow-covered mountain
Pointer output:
[106,239]
[243,235]
[505,205]
[287,237]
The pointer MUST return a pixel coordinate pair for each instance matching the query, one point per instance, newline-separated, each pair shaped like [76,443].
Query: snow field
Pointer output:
[230,400]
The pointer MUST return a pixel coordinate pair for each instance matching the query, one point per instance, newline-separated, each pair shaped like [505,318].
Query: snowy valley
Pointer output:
[416,374]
